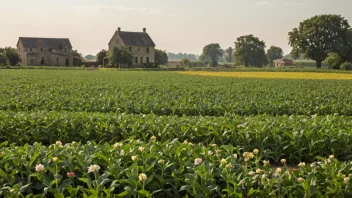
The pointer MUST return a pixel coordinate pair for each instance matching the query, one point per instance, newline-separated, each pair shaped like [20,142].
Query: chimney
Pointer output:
[119,29]
[145,30]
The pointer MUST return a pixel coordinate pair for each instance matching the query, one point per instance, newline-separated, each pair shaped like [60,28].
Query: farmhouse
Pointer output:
[45,51]
[139,43]
[283,62]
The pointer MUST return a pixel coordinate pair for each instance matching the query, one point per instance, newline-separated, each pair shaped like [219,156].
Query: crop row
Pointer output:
[164,93]
[168,169]
[295,138]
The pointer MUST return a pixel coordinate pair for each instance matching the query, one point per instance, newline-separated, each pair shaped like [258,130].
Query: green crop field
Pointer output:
[78,133]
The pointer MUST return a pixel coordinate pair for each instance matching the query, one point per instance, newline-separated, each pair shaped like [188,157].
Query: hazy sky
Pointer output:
[174,25]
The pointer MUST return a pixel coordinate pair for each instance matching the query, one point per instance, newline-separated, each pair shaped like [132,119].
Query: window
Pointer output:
[147,59]
[30,49]
[130,49]
[65,50]
[50,49]
[32,61]
[141,59]
[57,61]
[42,49]
[139,49]
[42,61]
[136,59]
[147,49]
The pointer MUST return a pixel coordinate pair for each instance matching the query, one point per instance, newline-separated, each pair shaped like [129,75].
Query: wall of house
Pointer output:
[141,52]
[49,60]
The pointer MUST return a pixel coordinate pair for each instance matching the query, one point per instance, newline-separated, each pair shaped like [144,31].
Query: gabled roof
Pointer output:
[55,43]
[135,39]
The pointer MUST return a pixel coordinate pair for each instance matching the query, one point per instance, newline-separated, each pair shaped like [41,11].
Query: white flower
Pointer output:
[213,145]
[278,170]
[190,143]
[55,159]
[153,138]
[185,142]
[283,161]
[314,116]
[59,143]
[210,153]
[74,143]
[134,158]
[258,171]
[331,156]
[255,151]
[248,155]
[39,167]
[300,180]
[329,161]
[142,177]
[229,166]
[117,145]
[197,161]
[161,161]
[302,164]
[251,173]
[93,168]
[223,161]
[266,163]
[235,156]
[141,149]
[346,179]
[263,176]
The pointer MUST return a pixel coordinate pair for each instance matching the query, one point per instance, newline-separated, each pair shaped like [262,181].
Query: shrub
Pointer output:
[346,66]
[333,60]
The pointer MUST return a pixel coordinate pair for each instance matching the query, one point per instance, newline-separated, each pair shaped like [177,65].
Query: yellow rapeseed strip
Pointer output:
[285,75]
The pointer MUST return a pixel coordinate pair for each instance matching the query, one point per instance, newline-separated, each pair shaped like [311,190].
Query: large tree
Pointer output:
[101,55]
[250,51]
[161,57]
[213,52]
[320,35]
[120,57]
[229,54]
[274,53]
[12,55]
[4,61]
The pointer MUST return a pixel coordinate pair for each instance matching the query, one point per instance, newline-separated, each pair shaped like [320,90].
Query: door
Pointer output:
[67,62]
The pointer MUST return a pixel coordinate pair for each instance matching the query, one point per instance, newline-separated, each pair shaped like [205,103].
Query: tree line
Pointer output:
[321,38]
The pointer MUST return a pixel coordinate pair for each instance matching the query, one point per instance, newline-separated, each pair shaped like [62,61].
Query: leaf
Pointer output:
[65,183]
[25,188]
[250,192]
[186,188]
[123,194]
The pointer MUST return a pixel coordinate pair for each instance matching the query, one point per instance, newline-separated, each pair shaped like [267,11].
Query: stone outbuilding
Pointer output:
[282,62]
[45,51]
[139,43]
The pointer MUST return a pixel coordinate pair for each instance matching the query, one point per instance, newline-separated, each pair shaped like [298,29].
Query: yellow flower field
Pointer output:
[286,75]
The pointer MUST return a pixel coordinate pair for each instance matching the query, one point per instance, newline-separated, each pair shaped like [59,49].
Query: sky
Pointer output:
[175,25]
